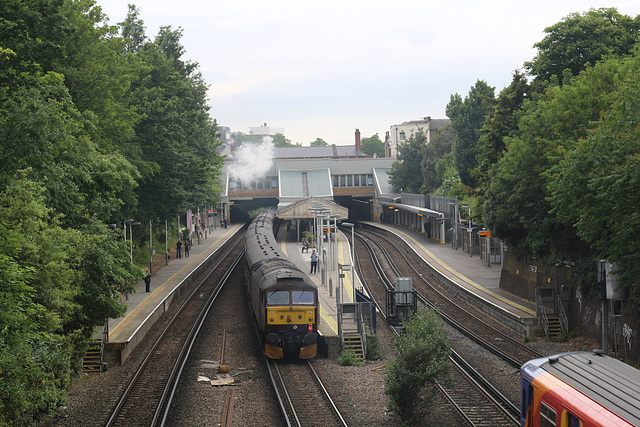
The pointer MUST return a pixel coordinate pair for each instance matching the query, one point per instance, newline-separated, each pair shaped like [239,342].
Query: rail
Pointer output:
[158,388]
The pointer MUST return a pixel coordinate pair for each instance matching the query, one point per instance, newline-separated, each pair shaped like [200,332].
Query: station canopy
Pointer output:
[309,207]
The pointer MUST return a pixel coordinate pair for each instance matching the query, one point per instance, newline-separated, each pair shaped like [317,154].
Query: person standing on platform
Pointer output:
[147,281]
[314,262]
[225,221]
[179,248]
[187,245]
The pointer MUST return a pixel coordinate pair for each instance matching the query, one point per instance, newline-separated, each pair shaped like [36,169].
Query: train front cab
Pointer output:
[291,323]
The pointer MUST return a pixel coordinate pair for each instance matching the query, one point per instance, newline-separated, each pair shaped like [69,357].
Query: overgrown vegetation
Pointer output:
[99,124]
[349,358]
[422,359]
[374,352]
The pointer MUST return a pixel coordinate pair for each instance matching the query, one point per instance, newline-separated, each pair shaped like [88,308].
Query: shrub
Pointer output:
[374,352]
[348,358]
[423,358]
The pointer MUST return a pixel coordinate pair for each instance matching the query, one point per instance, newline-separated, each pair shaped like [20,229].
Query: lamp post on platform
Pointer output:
[151,245]
[470,237]
[353,254]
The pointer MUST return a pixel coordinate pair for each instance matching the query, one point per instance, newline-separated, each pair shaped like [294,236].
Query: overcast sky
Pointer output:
[324,69]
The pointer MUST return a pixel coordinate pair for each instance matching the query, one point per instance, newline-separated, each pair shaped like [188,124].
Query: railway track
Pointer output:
[478,402]
[463,319]
[303,398]
[147,398]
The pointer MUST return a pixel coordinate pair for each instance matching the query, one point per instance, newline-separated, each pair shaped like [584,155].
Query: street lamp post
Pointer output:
[470,237]
[131,224]
[455,225]
[166,242]
[151,245]
[353,254]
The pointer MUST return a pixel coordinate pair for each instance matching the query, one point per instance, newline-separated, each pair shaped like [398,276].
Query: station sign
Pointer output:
[484,233]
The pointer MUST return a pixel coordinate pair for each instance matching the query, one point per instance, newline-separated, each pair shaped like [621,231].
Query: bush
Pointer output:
[423,358]
[348,358]
[373,348]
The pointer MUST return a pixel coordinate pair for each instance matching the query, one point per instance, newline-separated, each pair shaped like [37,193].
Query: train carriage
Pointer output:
[283,298]
[580,389]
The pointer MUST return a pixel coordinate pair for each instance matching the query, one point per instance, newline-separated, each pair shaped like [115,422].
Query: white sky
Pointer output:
[324,69]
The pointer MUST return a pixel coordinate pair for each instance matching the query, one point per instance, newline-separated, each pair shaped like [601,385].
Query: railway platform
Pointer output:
[470,277]
[328,325]
[121,335]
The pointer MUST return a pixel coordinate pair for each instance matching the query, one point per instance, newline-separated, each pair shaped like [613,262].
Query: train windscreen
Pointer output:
[277,297]
[303,297]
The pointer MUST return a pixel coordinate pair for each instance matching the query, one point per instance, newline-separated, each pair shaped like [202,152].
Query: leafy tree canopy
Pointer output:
[597,182]
[467,117]
[582,39]
[319,142]
[279,140]
[439,146]
[372,145]
[406,171]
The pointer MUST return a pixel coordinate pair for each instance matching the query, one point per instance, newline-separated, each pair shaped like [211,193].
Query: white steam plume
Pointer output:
[252,161]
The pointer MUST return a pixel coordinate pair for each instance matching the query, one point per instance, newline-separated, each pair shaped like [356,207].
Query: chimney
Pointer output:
[358,141]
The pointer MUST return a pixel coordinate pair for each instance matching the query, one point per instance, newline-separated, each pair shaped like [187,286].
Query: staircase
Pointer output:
[555,328]
[353,343]
[92,360]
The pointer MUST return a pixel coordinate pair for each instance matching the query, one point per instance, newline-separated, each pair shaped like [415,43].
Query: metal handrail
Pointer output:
[542,315]
[564,320]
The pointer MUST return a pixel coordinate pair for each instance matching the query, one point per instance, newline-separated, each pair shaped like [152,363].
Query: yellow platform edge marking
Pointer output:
[471,282]
[146,301]
[327,319]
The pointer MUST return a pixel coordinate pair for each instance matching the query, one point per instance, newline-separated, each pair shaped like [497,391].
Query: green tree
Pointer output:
[467,117]
[422,359]
[582,39]
[517,205]
[176,137]
[57,286]
[596,184]
[279,140]
[319,142]
[406,171]
[372,145]
[501,123]
[439,146]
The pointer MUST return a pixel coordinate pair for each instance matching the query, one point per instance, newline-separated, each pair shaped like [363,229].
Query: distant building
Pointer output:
[398,134]
[265,130]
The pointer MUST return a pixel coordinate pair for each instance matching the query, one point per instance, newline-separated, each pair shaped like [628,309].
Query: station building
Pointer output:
[344,176]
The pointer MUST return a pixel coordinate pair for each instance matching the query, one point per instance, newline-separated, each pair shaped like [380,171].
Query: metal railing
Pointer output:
[541,313]
[559,310]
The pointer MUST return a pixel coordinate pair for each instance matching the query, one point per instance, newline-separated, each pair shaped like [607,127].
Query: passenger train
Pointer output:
[283,298]
[579,389]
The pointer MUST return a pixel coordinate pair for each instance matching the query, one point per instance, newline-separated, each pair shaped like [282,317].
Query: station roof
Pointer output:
[415,209]
[381,179]
[298,184]
[302,209]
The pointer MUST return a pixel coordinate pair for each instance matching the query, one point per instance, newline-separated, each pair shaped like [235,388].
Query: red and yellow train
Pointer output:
[580,389]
